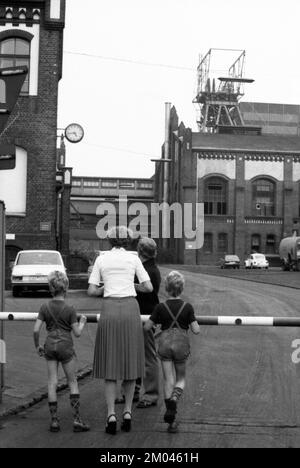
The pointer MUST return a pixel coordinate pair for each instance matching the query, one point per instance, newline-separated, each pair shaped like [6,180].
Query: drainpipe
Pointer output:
[166,173]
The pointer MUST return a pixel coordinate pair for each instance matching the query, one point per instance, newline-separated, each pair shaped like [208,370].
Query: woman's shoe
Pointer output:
[111,426]
[126,424]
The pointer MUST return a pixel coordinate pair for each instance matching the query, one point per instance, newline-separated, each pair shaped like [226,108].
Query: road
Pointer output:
[242,391]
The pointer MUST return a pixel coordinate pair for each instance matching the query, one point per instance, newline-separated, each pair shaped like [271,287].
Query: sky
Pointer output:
[123,60]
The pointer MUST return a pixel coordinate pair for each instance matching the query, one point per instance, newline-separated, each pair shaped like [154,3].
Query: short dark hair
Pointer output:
[120,236]
[147,248]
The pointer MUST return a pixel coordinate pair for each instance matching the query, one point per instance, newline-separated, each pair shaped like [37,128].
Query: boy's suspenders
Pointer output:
[175,319]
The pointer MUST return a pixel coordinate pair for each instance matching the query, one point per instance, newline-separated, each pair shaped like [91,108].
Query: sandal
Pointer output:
[111,426]
[126,424]
[173,427]
[80,426]
[54,426]
[146,404]
[170,414]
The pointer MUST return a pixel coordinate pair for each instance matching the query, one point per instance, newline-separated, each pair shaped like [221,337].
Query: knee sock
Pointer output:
[75,403]
[53,410]
[176,394]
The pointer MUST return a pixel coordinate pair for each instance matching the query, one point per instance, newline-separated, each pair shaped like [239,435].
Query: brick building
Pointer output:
[88,194]
[31,33]
[249,185]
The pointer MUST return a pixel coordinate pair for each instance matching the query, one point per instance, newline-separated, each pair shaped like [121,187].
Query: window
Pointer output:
[14,52]
[222,243]
[91,183]
[76,183]
[263,198]
[15,200]
[208,243]
[255,243]
[215,197]
[109,184]
[270,244]
[145,185]
[126,184]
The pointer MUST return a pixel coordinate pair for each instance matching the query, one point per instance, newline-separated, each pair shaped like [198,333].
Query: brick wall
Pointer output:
[35,130]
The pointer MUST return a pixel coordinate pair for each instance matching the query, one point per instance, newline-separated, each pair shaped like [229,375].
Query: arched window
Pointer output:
[255,243]
[215,196]
[222,243]
[15,51]
[263,197]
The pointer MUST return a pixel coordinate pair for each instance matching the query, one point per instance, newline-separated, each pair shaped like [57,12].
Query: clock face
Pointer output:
[74,133]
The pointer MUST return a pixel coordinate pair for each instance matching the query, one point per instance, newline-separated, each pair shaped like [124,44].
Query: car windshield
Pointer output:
[259,257]
[231,258]
[39,258]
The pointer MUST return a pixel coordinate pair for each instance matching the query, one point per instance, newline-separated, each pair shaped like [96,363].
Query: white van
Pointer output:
[31,269]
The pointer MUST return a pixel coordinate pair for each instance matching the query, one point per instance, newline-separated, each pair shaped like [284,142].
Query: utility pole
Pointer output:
[166,175]
[2,289]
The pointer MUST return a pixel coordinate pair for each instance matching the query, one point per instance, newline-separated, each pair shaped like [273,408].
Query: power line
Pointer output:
[123,150]
[134,62]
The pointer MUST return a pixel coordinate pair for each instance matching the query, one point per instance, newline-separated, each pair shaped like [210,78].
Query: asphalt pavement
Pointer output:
[242,391]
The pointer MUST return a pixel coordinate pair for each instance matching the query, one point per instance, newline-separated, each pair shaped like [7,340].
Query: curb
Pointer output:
[41,395]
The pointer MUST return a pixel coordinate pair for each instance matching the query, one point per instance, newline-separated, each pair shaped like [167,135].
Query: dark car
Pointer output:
[230,261]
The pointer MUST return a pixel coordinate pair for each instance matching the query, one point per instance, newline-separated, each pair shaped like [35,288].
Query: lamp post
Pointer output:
[73,133]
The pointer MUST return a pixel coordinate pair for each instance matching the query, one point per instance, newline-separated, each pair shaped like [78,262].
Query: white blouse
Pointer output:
[117,268]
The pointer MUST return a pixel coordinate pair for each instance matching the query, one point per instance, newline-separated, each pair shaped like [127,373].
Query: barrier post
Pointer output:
[2,289]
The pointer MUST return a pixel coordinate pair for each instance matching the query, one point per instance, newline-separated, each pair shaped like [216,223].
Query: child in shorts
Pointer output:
[61,321]
[175,317]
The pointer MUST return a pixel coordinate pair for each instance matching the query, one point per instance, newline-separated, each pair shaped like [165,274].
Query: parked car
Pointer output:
[230,261]
[31,269]
[257,260]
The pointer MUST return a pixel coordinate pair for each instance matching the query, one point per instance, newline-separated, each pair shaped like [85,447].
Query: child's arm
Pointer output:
[149,325]
[36,337]
[78,327]
[195,327]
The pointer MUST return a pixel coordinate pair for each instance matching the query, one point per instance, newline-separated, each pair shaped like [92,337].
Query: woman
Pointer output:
[119,347]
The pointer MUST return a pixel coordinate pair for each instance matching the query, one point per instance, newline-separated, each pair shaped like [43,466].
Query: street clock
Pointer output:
[74,133]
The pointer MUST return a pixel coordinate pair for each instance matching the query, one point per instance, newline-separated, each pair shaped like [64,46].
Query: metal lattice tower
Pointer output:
[219,110]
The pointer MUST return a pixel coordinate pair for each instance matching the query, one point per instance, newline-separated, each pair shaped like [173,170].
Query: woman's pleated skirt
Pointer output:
[119,346]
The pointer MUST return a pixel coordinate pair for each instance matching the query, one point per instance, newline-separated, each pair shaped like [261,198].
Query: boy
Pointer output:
[60,320]
[175,317]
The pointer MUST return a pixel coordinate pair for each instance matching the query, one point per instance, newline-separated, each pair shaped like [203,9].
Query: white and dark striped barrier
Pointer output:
[2,352]
[202,320]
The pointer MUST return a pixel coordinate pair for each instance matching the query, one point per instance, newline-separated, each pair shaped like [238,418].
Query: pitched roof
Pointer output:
[245,142]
